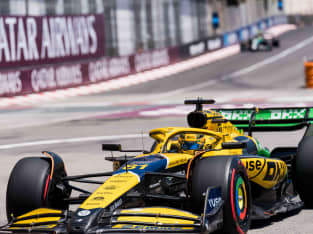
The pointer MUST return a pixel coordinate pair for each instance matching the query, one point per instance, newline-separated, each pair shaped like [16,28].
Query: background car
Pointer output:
[262,41]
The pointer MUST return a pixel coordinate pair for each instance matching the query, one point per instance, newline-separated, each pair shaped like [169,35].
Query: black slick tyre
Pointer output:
[27,186]
[230,174]
[276,43]
[303,168]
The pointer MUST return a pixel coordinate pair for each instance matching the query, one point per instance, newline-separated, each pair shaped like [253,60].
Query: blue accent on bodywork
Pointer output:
[214,197]
[251,146]
[151,163]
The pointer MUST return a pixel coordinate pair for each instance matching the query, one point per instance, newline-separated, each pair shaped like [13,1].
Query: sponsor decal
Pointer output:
[213,198]
[37,40]
[262,25]
[59,77]
[142,227]
[197,49]
[253,165]
[98,70]
[110,187]
[279,114]
[254,30]
[230,38]
[213,202]
[98,198]
[83,213]
[43,79]
[115,205]
[68,75]
[135,166]
[10,83]
[237,114]
[288,114]
[244,34]
[149,60]
[94,204]
[275,171]
[119,66]
[269,23]
[214,44]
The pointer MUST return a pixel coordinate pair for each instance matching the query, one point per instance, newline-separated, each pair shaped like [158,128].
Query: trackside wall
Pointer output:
[42,78]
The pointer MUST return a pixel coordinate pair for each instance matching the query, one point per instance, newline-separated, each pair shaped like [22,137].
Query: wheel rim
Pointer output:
[241,198]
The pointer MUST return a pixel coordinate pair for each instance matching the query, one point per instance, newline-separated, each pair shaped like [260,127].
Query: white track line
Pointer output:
[71,140]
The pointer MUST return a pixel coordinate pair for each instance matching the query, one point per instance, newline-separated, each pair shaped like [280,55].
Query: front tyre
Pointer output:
[30,186]
[229,174]
[27,186]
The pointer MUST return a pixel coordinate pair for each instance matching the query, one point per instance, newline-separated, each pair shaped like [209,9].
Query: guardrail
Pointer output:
[52,77]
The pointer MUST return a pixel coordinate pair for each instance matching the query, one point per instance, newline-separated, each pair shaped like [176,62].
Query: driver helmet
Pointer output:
[259,34]
[189,142]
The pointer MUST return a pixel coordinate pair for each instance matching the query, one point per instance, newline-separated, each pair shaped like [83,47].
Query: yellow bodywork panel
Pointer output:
[38,220]
[146,228]
[159,210]
[157,220]
[110,190]
[154,220]
[264,171]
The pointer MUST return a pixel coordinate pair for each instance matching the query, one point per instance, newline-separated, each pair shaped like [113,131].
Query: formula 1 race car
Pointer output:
[260,42]
[199,179]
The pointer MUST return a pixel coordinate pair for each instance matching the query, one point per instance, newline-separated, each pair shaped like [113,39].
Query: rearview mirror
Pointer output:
[234,145]
[111,147]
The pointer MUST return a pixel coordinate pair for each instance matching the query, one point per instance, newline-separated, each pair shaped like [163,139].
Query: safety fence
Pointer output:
[41,77]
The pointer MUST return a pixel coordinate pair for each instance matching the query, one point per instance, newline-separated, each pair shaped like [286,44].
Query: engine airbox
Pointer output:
[197,119]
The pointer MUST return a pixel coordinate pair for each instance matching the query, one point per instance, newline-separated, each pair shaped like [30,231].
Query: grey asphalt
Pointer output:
[69,118]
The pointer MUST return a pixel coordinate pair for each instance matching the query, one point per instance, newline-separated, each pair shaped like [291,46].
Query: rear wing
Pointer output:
[269,119]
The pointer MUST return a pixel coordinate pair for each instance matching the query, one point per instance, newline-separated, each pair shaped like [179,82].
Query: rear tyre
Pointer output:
[276,43]
[230,174]
[30,187]
[303,177]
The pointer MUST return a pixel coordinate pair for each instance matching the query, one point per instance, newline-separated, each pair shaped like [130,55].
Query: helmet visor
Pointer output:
[190,145]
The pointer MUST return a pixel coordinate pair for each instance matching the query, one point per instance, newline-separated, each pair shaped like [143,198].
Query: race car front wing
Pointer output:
[148,220]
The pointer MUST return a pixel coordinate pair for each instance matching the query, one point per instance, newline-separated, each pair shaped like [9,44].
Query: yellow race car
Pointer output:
[199,179]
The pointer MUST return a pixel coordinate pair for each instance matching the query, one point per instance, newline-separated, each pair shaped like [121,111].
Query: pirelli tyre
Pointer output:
[229,173]
[30,187]
[303,171]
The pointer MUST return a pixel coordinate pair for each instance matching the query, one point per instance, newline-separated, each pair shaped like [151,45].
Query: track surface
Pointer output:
[72,118]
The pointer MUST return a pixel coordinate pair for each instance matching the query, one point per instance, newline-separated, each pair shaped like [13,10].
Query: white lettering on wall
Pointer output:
[68,75]
[53,78]
[98,70]
[119,66]
[10,83]
[149,60]
[214,44]
[197,49]
[43,79]
[31,38]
